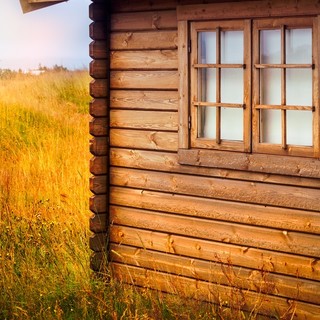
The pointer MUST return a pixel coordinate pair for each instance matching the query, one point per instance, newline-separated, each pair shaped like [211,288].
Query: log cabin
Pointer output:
[206,147]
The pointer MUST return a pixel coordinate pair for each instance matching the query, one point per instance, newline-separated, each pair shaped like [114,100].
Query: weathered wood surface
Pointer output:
[238,277]
[144,120]
[197,289]
[140,99]
[219,252]
[152,20]
[244,235]
[162,40]
[144,60]
[255,215]
[144,80]
[241,191]
[134,158]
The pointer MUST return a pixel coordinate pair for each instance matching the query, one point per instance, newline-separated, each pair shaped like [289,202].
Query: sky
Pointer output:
[58,34]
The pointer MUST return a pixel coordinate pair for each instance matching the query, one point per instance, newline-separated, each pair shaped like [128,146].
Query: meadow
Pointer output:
[44,192]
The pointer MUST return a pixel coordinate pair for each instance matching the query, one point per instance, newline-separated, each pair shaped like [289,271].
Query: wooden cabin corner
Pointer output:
[206,145]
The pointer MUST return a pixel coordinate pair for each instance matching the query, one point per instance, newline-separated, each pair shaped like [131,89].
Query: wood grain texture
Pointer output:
[99,146]
[244,235]
[242,191]
[144,80]
[98,165]
[99,88]
[291,219]
[98,203]
[98,127]
[144,40]
[152,20]
[98,223]
[99,185]
[99,50]
[144,120]
[99,107]
[219,252]
[144,99]
[144,60]
[99,69]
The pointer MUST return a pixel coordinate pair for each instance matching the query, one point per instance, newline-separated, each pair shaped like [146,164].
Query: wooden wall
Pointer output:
[213,234]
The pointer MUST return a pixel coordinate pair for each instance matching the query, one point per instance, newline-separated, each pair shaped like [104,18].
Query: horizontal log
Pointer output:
[98,165]
[99,223]
[98,127]
[267,163]
[98,30]
[139,139]
[227,232]
[150,120]
[99,50]
[99,146]
[149,100]
[237,277]
[143,40]
[98,262]
[98,203]
[98,242]
[99,185]
[152,20]
[223,189]
[99,88]
[147,59]
[254,215]
[99,107]
[169,162]
[99,69]
[229,254]
[161,80]
[98,11]
[201,290]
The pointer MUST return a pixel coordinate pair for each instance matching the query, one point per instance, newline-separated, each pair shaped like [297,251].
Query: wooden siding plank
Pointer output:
[169,162]
[195,289]
[244,235]
[152,140]
[144,120]
[98,50]
[99,185]
[144,40]
[152,20]
[285,219]
[98,165]
[150,100]
[252,162]
[254,258]
[148,59]
[242,191]
[237,277]
[248,9]
[98,127]
[99,146]
[144,80]
[98,107]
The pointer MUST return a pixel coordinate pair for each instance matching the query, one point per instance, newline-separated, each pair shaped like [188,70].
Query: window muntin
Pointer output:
[220,85]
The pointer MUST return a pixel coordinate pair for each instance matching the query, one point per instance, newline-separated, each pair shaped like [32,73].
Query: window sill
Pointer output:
[274,164]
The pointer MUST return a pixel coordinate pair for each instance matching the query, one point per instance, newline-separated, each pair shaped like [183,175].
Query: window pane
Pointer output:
[232,85]
[207,122]
[232,124]
[299,45]
[270,46]
[207,85]
[270,86]
[299,87]
[232,47]
[207,47]
[270,126]
[299,127]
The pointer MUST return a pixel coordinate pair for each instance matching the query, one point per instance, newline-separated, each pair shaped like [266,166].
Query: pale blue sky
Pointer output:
[57,34]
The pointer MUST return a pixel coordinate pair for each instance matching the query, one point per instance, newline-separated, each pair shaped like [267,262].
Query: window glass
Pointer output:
[270,46]
[232,85]
[270,126]
[207,47]
[270,86]
[232,47]
[207,84]
[207,122]
[299,127]
[299,45]
[232,124]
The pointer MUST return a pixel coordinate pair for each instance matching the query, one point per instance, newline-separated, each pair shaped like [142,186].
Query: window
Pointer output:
[248,86]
